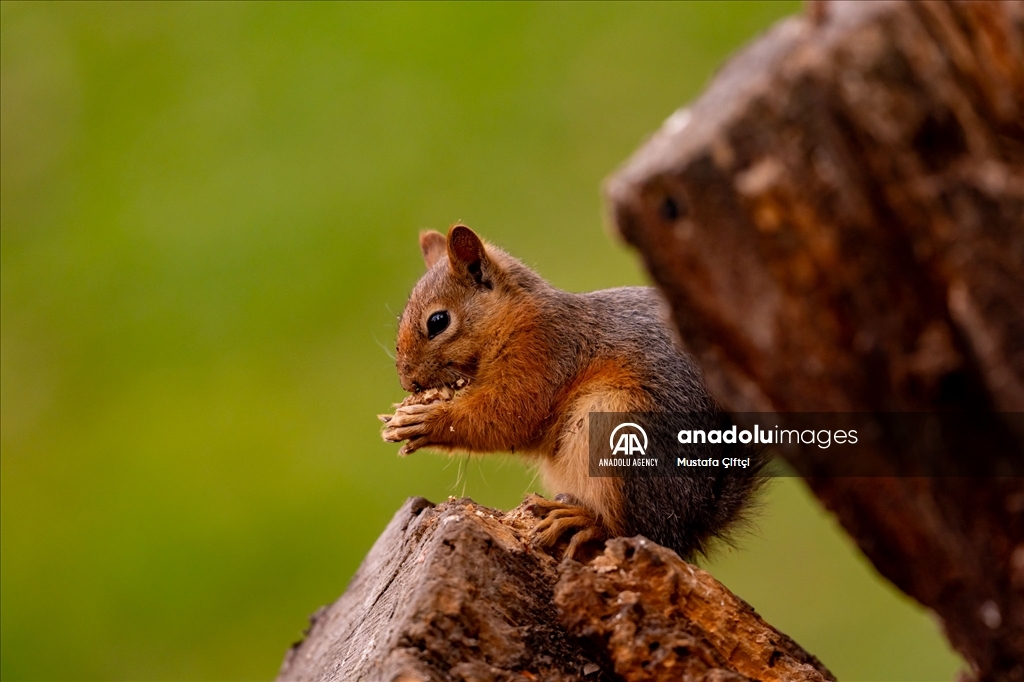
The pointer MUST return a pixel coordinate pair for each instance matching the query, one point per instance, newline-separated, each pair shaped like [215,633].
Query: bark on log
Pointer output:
[838,224]
[456,592]
[660,618]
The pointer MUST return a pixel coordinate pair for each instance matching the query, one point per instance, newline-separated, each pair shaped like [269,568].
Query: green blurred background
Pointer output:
[209,218]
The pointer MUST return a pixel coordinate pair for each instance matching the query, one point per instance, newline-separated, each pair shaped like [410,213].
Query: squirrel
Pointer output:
[499,360]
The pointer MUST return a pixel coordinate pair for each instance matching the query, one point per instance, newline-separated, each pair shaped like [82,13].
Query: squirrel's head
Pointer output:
[459,309]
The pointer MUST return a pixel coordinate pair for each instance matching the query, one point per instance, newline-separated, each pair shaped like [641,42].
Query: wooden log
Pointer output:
[456,592]
[838,225]
[446,593]
[660,618]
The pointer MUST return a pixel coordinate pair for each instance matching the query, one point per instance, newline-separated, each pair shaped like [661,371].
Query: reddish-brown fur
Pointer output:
[538,362]
[506,347]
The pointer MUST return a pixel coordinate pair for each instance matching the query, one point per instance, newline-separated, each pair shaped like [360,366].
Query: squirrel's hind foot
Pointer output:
[564,517]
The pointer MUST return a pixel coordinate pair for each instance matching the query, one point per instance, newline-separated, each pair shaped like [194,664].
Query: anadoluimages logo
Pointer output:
[628,442]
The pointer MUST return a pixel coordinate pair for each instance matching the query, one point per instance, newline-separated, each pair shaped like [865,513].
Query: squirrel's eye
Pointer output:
[437,323]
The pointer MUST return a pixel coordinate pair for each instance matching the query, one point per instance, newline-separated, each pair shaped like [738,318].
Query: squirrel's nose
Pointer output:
[406,378]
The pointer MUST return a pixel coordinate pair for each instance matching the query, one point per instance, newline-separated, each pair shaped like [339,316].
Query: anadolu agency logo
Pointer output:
[629,446]
[628,442]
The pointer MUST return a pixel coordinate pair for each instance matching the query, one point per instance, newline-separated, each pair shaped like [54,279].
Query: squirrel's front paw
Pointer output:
[562,517]
[412,423]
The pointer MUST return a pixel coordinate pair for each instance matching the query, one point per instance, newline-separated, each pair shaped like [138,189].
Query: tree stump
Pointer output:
[838,225]
[456,592]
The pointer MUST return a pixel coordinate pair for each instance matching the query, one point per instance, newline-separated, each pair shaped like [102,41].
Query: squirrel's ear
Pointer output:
[466,254]
[432,245]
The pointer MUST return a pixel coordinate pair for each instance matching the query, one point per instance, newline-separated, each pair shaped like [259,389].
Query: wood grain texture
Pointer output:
[457,592]
[660,618]
[838,225]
